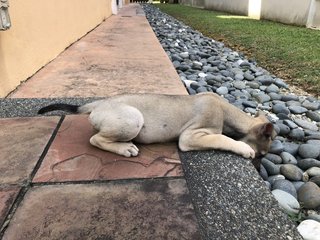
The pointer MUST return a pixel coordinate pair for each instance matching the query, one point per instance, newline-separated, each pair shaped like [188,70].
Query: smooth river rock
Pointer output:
[309,195]
[309,229]
[291,172]
[286,201]
[309,151]
[285,185]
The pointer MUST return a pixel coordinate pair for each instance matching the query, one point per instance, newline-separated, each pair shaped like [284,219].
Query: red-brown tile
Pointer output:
[22,143]
[7,197]
[72,158]
[148,209]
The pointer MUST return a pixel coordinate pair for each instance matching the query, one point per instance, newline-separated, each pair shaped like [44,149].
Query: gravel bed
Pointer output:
[292,165]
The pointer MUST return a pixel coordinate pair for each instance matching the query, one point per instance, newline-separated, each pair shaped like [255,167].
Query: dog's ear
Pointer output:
[267,130]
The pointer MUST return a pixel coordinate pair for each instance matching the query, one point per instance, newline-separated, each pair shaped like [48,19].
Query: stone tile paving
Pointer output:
[89,69]
[22,143]
[72,158]
[149,209]
[7,197]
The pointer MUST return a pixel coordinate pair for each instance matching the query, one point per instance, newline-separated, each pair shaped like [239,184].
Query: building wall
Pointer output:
[286,11]
[41,29]
[192,3]
[314,14]
[232,6]
[297,12]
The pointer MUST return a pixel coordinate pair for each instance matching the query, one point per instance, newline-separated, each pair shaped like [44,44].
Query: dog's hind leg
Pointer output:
[117,126]
[127,149]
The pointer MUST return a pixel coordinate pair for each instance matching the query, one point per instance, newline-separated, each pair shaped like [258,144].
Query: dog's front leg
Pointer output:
[203,139]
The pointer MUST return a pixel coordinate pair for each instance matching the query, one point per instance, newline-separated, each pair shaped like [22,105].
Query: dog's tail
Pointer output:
[59,106]
[87,108]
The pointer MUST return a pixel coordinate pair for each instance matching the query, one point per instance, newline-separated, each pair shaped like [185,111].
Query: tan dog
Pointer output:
[198,122]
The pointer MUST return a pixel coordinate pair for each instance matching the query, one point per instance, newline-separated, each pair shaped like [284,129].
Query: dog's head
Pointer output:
[260,135]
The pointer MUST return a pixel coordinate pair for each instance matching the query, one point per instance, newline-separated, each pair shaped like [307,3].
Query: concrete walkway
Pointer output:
[122,55]
[55,185]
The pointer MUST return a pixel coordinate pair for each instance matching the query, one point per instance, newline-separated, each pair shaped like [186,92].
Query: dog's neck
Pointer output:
[236,123]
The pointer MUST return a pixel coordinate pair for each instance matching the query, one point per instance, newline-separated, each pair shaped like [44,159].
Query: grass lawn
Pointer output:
[290,52]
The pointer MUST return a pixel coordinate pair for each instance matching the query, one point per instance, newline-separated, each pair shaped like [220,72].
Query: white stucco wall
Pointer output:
[193,3]
[298,12]
[314,14]
[233,6]
[286,11]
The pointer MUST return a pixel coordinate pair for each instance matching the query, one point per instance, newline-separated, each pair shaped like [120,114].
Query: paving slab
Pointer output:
[8,195]
[150,209]
[72,158]
[231,200]
[22,143]
[122,55]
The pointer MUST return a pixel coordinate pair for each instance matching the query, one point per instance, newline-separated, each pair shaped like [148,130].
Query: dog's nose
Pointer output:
[263,153]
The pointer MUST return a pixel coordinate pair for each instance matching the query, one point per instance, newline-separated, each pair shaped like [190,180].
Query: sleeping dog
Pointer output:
[198,122]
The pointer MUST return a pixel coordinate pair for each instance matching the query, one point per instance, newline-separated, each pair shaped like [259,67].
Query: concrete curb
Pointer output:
[231,200]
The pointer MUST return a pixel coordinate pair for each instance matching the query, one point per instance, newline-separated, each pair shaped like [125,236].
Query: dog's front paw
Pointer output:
[245,150]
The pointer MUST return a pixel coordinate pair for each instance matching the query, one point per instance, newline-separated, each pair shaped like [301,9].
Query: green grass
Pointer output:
[290,52]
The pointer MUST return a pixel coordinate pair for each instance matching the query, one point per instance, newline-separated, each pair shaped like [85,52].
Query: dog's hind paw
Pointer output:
[128,150]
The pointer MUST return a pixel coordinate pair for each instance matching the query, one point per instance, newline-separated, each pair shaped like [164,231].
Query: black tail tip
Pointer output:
[41,111]
[59,106]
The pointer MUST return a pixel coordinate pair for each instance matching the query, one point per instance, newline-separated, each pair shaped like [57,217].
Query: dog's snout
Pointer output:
[263,153]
